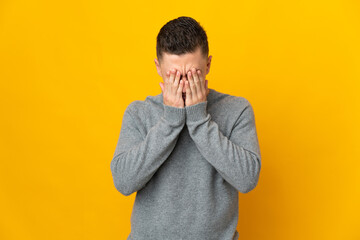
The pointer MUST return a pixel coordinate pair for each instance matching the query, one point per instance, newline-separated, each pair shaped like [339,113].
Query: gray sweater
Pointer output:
[187,166]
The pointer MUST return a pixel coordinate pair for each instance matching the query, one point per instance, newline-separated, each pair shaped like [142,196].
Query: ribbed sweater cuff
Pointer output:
[196,112]
[174,115]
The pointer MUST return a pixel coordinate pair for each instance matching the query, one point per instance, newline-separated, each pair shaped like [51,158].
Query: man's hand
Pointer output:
[172,91]
[196,88]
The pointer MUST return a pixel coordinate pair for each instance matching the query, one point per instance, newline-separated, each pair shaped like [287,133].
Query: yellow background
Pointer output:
[68,69]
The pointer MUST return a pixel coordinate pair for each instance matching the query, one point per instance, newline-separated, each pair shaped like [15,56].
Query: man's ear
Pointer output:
[208,64]
[158,68]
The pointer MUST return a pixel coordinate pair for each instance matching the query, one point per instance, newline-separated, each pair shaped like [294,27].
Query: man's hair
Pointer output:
[181,35]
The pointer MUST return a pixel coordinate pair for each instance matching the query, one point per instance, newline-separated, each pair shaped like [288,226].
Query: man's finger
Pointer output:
[167,84]
[180,89]
[192,84]
[188,91]
[172,76]
[196,81]
[201,82]
[176,82]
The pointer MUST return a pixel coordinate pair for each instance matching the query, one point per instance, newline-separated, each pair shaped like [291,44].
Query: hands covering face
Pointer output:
[195,86]
[172,89]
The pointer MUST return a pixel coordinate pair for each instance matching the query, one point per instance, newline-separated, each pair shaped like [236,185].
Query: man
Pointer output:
[188,151]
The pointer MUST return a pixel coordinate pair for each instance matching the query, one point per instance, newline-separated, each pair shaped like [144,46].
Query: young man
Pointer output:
[188,151]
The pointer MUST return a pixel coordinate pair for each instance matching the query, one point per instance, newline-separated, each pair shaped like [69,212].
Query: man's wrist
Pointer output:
[174,115]
[196,112]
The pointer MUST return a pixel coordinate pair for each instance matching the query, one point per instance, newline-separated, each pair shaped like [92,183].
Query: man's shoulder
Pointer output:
[142,107]
[135,106]
[239,106]
[229,101]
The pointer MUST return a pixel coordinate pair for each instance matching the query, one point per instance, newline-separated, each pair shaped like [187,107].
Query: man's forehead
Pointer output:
[183,60]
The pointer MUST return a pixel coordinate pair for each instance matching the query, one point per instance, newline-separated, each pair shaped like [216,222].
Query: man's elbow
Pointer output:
[250,182]
[121,184]
[123,189]
[245,188]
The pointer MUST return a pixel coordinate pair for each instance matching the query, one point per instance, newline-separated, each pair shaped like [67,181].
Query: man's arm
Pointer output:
[137,157]
[237,158]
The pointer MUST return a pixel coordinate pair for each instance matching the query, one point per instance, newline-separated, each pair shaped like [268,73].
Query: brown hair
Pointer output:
[181,35]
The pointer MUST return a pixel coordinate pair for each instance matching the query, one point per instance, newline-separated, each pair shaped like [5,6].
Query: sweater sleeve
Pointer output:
[237,158]
[138,157]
